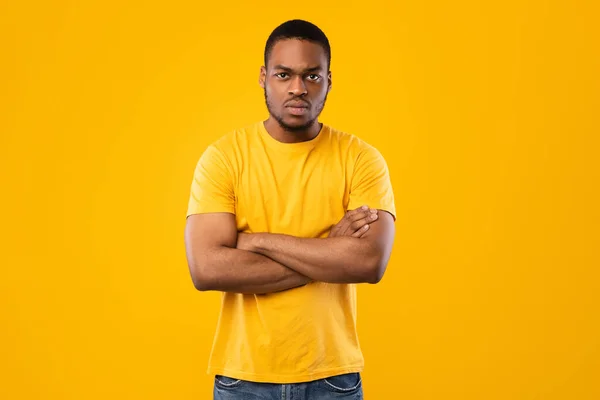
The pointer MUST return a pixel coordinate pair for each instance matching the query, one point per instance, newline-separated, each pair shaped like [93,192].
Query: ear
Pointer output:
[328,81]
[262,77]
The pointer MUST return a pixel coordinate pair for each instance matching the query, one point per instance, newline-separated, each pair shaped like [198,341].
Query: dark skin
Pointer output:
[297,74]
[358,247]
[217,263]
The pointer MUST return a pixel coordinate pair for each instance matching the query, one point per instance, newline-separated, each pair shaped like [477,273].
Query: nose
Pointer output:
[297,87]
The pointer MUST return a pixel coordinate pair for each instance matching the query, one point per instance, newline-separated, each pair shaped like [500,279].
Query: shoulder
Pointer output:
[234,138]
[231,144]
[356,147]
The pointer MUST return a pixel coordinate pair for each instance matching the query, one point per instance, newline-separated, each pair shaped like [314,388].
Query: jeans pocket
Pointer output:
[227,382]
[343,383]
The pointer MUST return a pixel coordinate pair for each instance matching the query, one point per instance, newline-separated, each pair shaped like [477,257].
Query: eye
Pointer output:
[314,77]
[282,75]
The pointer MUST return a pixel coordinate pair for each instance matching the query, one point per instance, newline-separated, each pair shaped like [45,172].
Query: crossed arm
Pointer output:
[222,259]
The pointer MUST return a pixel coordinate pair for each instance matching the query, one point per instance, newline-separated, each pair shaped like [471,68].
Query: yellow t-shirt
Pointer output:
[300,189]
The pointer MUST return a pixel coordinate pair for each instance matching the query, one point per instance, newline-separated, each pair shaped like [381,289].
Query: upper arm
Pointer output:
[371,183]
[211,208]
[212,187]
[210,221]
[204,235]
[206,232]
[380,238]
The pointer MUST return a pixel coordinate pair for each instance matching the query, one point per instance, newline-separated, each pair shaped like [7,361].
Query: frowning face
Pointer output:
[296,81]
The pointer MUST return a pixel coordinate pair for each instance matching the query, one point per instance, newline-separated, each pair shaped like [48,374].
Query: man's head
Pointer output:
[296,77]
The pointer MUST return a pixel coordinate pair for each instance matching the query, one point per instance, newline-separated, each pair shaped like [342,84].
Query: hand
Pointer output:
[355,223]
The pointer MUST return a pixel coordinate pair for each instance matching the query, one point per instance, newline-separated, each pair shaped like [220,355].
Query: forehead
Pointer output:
[295,53]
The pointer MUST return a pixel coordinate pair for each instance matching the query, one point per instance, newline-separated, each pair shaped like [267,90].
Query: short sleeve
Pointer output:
[212,184]
[371,184]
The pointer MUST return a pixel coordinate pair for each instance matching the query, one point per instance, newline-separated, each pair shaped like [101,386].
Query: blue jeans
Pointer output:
[345,386]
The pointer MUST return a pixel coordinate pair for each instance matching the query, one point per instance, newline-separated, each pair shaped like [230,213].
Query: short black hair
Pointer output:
[298,29]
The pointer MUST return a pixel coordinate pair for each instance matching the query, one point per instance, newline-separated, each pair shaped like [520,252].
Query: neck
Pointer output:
[283,135]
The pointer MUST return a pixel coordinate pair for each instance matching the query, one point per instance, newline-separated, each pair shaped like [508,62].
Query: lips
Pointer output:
[297,104]
[297,107]
[297,110]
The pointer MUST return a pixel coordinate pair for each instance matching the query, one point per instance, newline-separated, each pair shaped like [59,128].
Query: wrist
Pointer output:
[246,241]
[256,242]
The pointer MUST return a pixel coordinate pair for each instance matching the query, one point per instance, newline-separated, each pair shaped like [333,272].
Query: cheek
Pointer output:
[272,95]
[320,90]
[320,94]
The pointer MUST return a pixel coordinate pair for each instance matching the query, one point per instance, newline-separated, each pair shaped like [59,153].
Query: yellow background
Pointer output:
[486,113]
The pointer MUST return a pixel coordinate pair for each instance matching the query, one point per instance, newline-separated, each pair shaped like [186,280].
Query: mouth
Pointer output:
[297,108]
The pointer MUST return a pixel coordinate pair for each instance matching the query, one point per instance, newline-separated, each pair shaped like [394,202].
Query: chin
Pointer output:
[297,121]
[295,124]
[298,128]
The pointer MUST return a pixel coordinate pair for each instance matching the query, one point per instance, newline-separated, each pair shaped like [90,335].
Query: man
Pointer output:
[285,217]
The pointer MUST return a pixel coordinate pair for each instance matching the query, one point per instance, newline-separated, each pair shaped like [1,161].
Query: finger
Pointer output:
[343,223]
[350,216]
[357,221]
[334,231]
[366,215]
[356,225]
[344,226]
[357,210]
[362,214]
[361,231]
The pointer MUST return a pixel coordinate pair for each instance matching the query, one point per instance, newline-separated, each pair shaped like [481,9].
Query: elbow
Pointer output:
[374,276]
[375,270]
[202,285]
[202,280]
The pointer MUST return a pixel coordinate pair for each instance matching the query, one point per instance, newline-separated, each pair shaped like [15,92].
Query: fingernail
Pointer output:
[364,207]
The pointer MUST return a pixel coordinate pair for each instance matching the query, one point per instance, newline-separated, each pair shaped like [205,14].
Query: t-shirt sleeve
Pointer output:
[212,184]
[371,184]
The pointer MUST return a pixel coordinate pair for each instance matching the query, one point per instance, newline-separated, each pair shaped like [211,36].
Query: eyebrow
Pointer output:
[288,69]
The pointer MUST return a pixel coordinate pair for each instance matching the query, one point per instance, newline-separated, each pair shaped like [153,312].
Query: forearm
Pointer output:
[334,259]
[232,270]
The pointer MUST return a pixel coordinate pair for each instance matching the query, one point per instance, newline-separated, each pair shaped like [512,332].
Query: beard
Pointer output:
[288,127]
